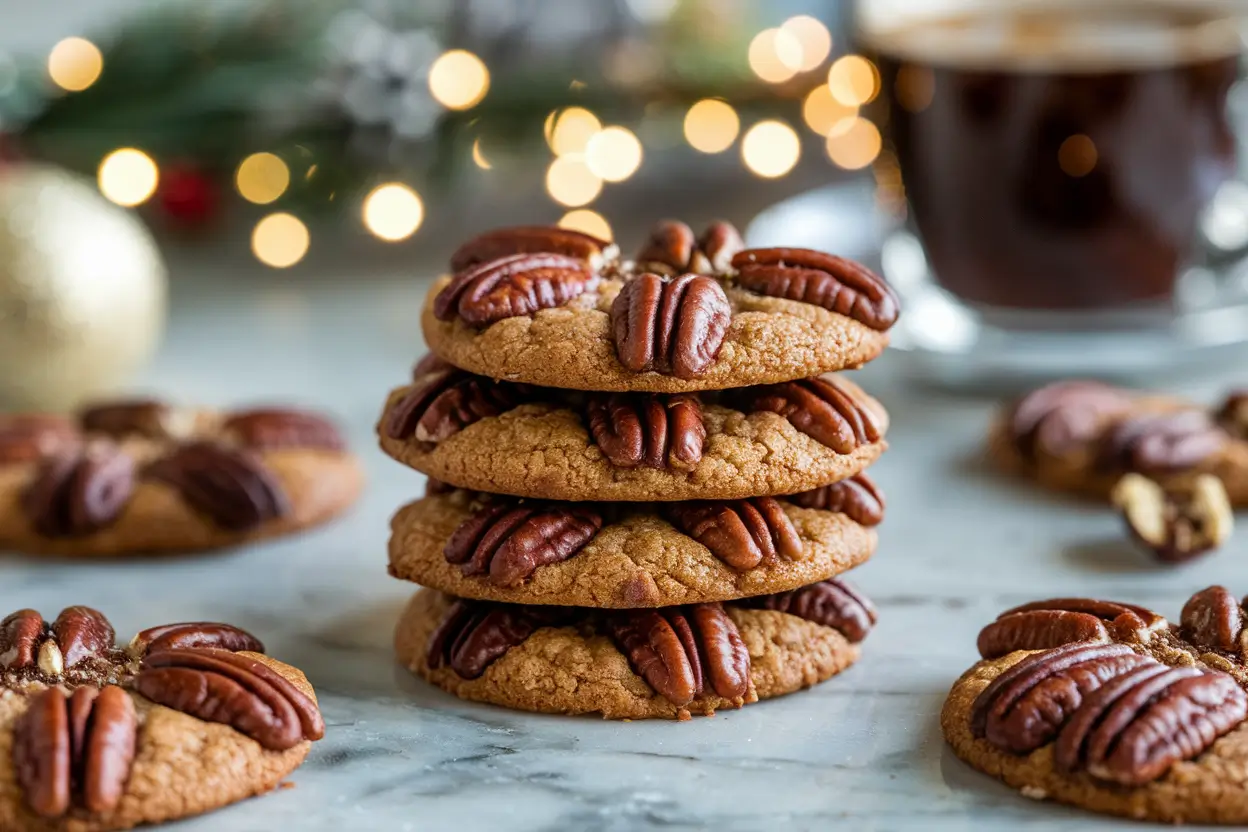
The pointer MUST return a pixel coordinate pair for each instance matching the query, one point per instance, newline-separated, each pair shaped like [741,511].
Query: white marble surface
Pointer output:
[863,749]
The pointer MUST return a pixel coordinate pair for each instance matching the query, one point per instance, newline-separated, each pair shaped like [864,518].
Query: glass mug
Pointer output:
[1065,188]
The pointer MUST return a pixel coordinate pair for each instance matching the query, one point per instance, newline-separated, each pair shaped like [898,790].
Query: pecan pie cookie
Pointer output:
[606,555]
[474,432]
[1110,707]
[185,719]
[135,476]
[557,308]
[1084,436]
[634,664]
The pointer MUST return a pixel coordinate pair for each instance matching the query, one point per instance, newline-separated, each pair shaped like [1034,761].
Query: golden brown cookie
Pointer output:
[634,664]
[186,719]
[555,308]
[473,432]
[139,477]
[487,547]
[1082,437]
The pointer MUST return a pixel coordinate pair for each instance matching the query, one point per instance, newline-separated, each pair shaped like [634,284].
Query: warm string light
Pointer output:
[458,79]
[853,143]
[128,176]
[478,157]
[74,64]
[262,178]
[587,222]
[613,154]
[280,240]
[393,211]
[815,40]
[1077,155]
[711,126]
[570,182]
[775,55]
[853,80]
[822,112]
[914,87]
[770,149]
[571,130]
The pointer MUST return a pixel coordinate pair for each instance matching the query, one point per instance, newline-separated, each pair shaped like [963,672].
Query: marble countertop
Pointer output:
[865,748]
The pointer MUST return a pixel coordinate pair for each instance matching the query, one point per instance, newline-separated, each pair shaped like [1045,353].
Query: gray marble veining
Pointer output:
[864,749]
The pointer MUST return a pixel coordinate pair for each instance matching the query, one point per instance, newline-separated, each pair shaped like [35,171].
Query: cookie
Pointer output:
[1083,436]
[1110,707]
[556,308]
[133,477]
[474,432]
[622,555]
[635,664]
[186,719]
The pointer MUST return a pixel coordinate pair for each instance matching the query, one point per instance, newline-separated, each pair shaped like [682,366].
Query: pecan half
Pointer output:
[79,492]
[1124,622]
[1039,630]
[42,755]
[431,363]
[858,498]
[719,243]
[1213,619]
[674,327]
[822,409]
[443,403]
[26,438]
[678,649]
[82,633]
[1064,416]
[231,688]
[741,533]
[1135,727]
[474,634]
[136,417]
[1175,523]
[1164,443]
[550,239]
[20,634]
[648,429]
[509,540]
[1232,415]
[834,283]
[512,286]
[234,489]
[281,428]
[672,248]
[194,634]
[834,603]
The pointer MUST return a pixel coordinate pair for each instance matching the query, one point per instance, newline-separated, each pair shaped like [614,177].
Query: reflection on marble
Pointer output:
[862,750]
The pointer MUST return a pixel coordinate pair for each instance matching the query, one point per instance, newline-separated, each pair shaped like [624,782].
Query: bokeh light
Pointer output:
[262,178]
[569,181]
[587,222]
[711,126]
[393,211]
[914,87]
[775,55]
[458,79]
[822,112]
[814,38]
[1077,155]
[74,64]
[280,240]
[614,154]
[572,129]
[853,80]
[128,176]
[478,156]
[770,149]
[854,143]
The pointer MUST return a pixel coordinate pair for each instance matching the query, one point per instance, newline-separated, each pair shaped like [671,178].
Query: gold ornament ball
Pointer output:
[82,290]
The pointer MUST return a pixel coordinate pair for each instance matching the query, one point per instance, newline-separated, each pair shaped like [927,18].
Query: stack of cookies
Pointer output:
[645,478]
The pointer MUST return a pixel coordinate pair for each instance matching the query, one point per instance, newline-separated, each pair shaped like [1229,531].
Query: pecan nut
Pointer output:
[192,635]
[1166,443]
[265,429]
[1175,523]
[1232,415]
[672,249]
[136,417]
[1124,622]
[509,540]
[443,403]
[1212,619]
[823,409]
[20,635]
[508,287]
[834,603]
[858,498]
[647,429]
[741,533]
[1061,417]
[719,243]
[235,490]
[674,327]
[82,633]
[502,242]
[42,754]
[233,689]
[474,634]
[27,438]
[834,283]
[1039,630]
[431,363]
[79,492]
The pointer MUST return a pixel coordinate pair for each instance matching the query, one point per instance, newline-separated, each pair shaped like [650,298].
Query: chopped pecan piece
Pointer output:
[191,635]
[82,633]
[1212,619]
[443,403]
[672,249]
[858,498]
[822,409]
[20,635]
[1166,443]
[509,540]
[834,283]
[474,634]
[26,438]
[678,649]
[232,487]
[741,533]
[136,417]
[674,327]
[234,689]
[648,429]
[549,239]
[79,492]
[1175,523]
[270,428]
[1124,622]
[512,286]
[834,603]
[1061,417]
